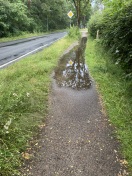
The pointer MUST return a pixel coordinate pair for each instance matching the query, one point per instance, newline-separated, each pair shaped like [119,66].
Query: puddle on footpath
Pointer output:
[72,70]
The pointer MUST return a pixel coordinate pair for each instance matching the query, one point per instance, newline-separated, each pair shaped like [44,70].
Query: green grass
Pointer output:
[74,32]
[116,92]
[22,36]
[25,35]
[24,89]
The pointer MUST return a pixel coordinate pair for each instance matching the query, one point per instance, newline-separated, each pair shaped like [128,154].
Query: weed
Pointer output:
[116,92]
[74,32]
[24,89]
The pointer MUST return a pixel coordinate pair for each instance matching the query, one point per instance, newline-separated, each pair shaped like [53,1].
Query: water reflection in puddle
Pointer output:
[72,70]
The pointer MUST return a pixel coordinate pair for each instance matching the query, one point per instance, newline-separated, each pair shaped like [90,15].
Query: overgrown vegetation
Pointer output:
[24,89]
[116,93]
[74,32]
[114,25]
[32,16]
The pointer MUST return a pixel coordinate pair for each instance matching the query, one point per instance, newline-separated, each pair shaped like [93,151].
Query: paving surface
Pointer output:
[77,139]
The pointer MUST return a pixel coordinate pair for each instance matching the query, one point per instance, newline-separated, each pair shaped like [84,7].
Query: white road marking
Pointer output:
[1,66]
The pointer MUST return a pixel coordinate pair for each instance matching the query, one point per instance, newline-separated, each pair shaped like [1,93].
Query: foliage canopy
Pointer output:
[32,16]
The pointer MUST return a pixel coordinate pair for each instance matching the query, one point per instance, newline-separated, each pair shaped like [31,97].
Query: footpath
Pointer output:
[77,139]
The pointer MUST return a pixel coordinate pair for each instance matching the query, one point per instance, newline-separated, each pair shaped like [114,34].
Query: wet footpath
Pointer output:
[77,139]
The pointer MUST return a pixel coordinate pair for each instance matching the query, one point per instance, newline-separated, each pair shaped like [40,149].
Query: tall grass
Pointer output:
[116,92]
[24,89]
[74,32]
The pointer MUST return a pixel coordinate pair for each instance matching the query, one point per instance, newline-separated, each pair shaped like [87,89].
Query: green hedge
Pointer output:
[115,31]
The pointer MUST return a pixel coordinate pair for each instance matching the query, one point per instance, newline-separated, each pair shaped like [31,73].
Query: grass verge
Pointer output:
[25,35]
[24,89]
[116,93]
[22,36]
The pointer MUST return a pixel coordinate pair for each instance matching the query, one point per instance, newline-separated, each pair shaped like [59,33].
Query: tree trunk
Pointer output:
[79,8]
[77,5]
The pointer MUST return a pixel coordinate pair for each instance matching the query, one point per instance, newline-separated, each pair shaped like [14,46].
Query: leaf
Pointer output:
[124,162]
[26,155]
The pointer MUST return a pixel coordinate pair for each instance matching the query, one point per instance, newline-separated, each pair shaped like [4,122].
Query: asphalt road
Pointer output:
[13,51]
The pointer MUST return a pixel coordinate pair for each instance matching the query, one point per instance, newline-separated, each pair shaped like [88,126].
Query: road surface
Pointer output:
[13,51]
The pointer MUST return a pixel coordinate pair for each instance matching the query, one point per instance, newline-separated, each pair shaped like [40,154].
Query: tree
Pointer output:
[13,18]
[32,16]
[97,5]
[80,6]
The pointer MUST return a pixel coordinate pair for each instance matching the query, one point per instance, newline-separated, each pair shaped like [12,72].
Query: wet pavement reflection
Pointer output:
[72,70]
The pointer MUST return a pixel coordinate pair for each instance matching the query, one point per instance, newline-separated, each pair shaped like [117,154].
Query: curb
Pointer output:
[3,44]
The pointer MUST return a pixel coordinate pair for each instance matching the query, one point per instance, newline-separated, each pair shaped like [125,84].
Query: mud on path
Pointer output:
[77,139]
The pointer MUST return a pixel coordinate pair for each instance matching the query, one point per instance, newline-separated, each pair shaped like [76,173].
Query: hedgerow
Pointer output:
[114,25]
